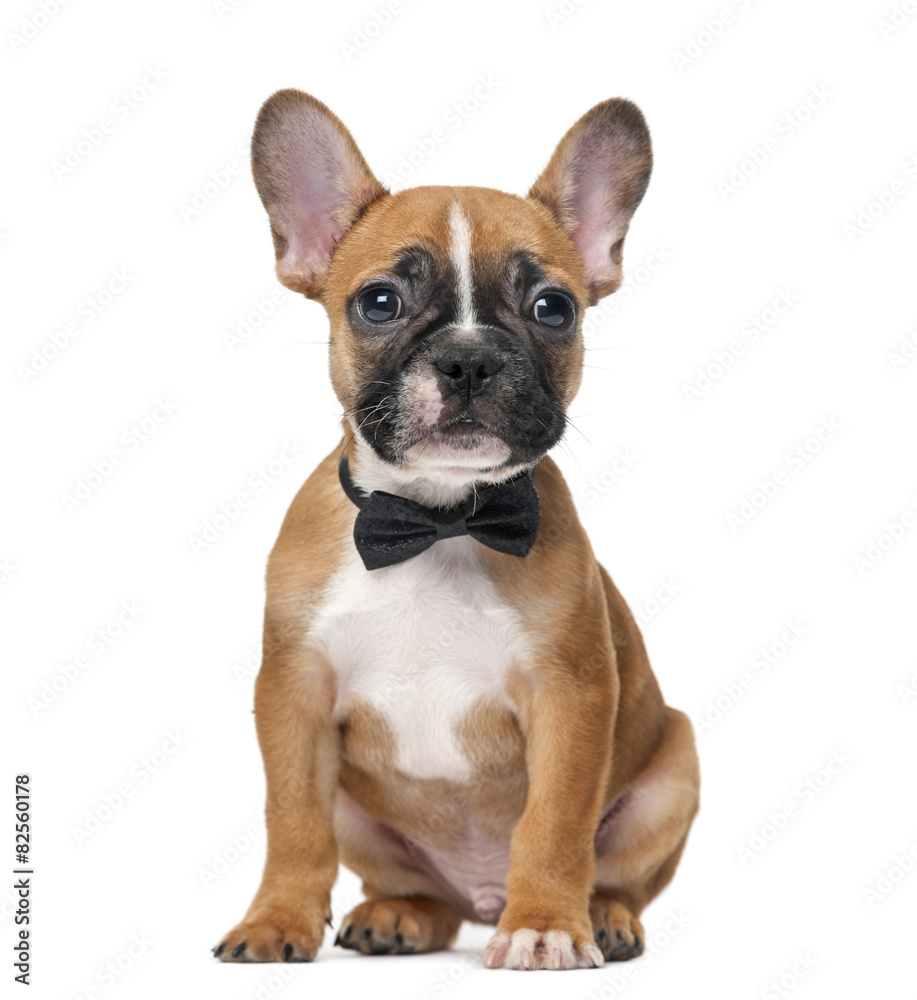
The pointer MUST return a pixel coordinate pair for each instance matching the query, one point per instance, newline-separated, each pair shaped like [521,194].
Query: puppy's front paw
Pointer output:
[528,949]
[275,936]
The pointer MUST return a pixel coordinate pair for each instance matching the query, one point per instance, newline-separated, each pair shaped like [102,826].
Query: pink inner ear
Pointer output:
[599,219]
[311,236]
[321,181]
[594,243]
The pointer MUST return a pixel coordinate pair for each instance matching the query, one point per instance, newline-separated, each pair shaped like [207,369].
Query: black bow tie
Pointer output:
[390,529]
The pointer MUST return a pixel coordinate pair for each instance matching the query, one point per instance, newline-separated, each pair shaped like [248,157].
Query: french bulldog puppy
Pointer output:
[454,699]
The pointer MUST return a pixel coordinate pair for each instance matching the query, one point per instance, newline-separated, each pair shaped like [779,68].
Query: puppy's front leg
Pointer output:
[566,711]
[294,699]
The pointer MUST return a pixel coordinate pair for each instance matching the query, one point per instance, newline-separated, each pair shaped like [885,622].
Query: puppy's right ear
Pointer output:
[312,180]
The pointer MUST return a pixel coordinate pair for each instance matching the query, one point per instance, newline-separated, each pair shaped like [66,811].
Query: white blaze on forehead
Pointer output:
[460,253]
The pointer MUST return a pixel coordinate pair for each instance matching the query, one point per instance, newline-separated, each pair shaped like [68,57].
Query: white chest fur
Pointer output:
[421,643]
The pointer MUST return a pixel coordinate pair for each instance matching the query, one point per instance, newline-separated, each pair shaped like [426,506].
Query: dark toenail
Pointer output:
[602,937]
[399,940]
[239,948]
[347,931]
[621,936]
[337,939]
[287,952]
[367,934]
[219,948]
[328,922]
[638,947]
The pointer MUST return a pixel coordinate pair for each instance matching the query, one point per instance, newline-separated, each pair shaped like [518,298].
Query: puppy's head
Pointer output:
[456,312]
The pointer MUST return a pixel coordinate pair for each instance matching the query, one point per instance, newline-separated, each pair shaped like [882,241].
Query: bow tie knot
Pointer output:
[390,528]
[449,527]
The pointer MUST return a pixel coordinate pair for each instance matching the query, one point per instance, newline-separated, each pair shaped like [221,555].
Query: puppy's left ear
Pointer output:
[594,183]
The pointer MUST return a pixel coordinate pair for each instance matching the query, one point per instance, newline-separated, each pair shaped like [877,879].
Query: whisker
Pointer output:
[568,422]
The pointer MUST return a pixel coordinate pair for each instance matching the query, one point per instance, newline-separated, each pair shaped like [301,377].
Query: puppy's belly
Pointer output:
[476,871]
[468,862]
[422,645]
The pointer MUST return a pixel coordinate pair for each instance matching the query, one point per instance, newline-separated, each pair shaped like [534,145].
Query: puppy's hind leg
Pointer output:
[391,925]
[641,839]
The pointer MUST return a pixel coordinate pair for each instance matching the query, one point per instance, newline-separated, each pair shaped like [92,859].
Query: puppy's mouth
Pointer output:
[462,432]
[460,440]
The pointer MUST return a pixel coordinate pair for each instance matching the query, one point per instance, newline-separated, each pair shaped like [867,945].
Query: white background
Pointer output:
[713,594]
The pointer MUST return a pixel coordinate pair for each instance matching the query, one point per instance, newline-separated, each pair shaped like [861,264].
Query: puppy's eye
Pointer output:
[381,305]
[552,310]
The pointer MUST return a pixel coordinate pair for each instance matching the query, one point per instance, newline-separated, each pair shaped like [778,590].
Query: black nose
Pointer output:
[469,368]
